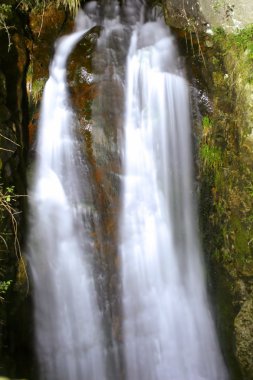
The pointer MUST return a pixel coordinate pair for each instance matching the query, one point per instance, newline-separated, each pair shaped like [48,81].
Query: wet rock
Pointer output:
[183,14]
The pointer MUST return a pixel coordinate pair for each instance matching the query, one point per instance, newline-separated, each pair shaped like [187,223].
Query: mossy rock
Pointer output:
[244,338]
[46,28]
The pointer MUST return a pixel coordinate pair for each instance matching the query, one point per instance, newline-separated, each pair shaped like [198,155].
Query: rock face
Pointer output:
[13,66]
[199,14]
[227,13]
[183,14]
[13,152]
[225,166]
[45,27]
[244,337]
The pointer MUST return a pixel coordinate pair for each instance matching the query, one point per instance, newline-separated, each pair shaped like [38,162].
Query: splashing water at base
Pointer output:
[67,319]
[168,329]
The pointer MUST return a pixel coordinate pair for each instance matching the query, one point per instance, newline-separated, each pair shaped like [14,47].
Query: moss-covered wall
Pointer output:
[230,220]
[221,67]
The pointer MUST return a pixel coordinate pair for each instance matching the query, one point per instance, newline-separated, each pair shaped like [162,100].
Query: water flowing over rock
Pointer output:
[140,116]
[219,69]
[168,331]
[69,337]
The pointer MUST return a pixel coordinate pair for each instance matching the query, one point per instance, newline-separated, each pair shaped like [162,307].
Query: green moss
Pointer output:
[210,156]
[4,286]
[243,40]
[244,337]
[242,238]
[37,90]
[238,47]
[226,155]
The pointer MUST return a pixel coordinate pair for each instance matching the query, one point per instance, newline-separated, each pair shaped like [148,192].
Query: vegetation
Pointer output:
[227,176]
[9,235]
[5,14]
[7,11]
[226,193]
[35,92]
[4,286]
[7,200]
[6,212]
[71,5]
[226,148]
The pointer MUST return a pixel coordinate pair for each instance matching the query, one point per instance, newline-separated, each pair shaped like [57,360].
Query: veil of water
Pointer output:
[168,331]
[67,319]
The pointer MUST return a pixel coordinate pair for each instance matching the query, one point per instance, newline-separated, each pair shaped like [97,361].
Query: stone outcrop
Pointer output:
[244,337]
[227,13]
[183,14]
[203,14]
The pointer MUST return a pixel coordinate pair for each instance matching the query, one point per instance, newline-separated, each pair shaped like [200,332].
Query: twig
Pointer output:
[6,28]
[7,150]
[1,237]
[6,138]
[42,18]
[200,50]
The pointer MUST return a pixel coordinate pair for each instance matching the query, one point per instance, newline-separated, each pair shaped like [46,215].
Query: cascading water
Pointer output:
[67,319]
[168,332]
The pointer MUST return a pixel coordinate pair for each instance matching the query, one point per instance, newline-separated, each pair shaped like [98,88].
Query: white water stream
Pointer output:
[67,319]
[168,331]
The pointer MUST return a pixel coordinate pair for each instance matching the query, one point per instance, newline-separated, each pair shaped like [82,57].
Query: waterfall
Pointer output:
[168,331]
[167,328]
[68,332]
